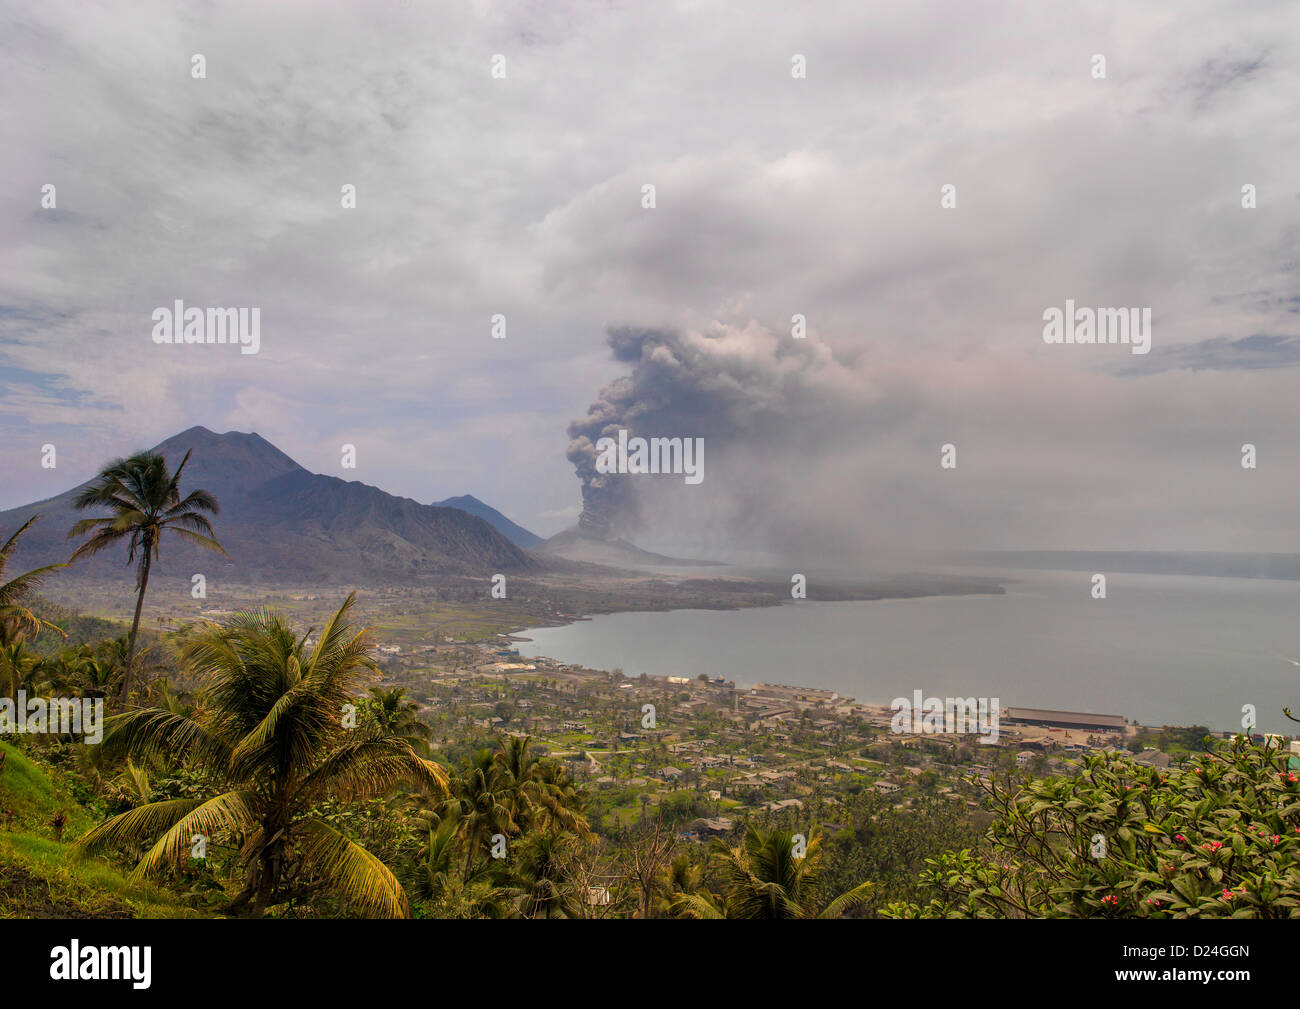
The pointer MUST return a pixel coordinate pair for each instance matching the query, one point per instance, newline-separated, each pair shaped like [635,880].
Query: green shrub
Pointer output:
[1217,838]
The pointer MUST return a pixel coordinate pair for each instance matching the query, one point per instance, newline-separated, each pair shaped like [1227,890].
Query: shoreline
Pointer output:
[523,635]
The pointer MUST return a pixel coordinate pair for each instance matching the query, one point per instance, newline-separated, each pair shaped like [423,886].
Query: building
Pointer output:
[782,692]
[776,714]
[1065,719]
[711,826]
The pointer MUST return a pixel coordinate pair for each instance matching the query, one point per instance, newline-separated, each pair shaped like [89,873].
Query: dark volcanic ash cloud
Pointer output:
[759,400]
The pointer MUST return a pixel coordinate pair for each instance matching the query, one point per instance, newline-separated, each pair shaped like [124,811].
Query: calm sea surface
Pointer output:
[1161,649]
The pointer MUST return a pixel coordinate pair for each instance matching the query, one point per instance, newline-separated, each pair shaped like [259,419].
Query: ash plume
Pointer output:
[769,407]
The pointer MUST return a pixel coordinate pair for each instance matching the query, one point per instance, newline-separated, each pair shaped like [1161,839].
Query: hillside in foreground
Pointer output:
[38,878]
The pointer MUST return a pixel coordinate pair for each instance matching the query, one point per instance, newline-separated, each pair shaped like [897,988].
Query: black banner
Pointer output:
[151,959]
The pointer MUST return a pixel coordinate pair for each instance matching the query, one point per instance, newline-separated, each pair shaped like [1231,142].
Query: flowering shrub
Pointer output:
[1218,838]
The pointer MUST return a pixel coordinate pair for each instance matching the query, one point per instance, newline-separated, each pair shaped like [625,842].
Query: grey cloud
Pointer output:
[1260,350]
[820,197]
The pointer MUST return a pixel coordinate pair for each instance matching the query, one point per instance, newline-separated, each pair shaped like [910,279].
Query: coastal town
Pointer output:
[704,753]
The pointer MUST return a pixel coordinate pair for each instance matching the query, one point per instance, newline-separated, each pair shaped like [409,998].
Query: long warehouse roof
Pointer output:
[1063,717]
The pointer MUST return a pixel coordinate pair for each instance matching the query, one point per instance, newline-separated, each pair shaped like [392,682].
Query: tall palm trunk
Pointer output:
[263,873]
[469,855]
[135,624]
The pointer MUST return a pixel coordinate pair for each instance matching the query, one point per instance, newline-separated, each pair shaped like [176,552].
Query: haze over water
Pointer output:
[1172,650]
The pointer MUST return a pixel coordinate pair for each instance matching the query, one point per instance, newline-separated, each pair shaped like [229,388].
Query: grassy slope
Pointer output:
[38,878]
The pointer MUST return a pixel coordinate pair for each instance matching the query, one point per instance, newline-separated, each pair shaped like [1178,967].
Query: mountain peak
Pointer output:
[278,521]
[460,502]
[515,533]
[236,457]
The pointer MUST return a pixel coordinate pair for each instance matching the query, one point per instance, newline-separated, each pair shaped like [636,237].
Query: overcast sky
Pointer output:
[775,196]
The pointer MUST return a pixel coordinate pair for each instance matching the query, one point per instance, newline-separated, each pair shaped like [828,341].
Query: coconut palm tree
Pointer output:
[509,791]
[763,878]
[434,877]
[146,501]
[540,879]
[271,731]
[399,717]
[435,862]
[543,795]
[36,674]
[481,802]
[683,876]
[23,669]
[97,671]
[16,594]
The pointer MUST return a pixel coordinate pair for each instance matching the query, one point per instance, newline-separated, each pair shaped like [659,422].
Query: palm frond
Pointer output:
[371,767]
[694,905]
[156,734]
[857,897]
[133,826]
[206,542]
[354,873]
[229,811]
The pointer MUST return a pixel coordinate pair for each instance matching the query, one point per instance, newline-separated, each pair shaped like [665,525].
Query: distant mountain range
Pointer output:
[282,523]
[516,534]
